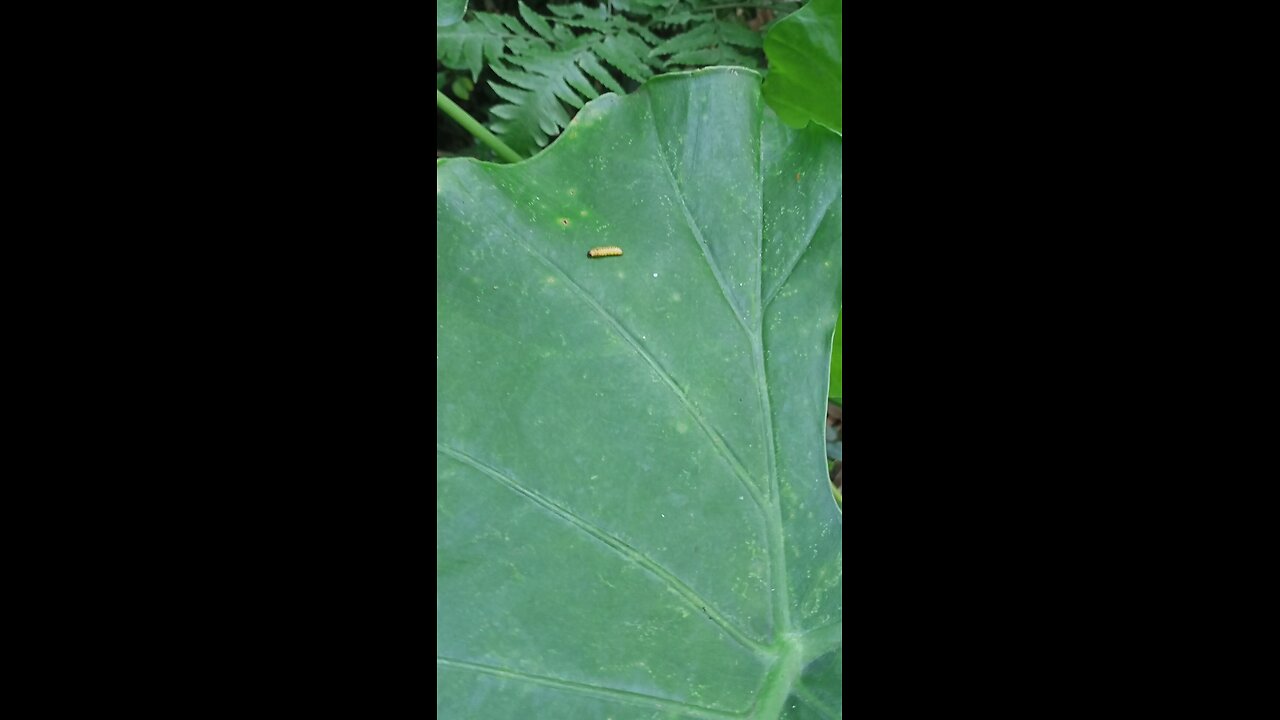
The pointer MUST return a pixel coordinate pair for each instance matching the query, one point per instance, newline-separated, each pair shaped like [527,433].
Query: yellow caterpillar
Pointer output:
[604,251]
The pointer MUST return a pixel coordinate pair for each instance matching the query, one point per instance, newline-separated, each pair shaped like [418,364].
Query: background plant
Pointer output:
[530,71]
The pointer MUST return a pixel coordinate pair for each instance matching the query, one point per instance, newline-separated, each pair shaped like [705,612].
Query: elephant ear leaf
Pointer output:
[632,504]
[449,12]
[806,61]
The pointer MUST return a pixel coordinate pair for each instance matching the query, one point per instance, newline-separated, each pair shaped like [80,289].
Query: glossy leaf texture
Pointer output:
[633,511]
[806,66]
[449,12]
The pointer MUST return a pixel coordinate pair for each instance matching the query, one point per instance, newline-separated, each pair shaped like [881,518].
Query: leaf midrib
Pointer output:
[785,667]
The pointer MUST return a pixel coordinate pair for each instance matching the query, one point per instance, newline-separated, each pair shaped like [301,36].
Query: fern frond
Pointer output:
[636,5]
[679,13]
[539,84]
[628,53]
[699,37]
[711,43]
[638,29]
[698,58]
[553,72]
[465,45]
[535,21]
[682,18]
[577,9]
[581,16]
[512,24]
[588,62]
[548,65]
[735,34]
[515,37]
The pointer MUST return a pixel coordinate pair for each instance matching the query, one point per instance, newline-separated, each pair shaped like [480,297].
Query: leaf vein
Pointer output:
[688,218]
[714,435]
[804,694]
[686,593]
[607,693]
[800,255]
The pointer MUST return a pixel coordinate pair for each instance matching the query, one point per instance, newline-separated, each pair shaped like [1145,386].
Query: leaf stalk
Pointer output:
[472,126]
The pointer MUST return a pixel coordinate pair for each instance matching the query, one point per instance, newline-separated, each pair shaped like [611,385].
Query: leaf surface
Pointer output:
[449,12]
[633,518]
[806,66]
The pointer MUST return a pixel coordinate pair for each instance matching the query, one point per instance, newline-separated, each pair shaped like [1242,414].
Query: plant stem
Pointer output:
[469,124]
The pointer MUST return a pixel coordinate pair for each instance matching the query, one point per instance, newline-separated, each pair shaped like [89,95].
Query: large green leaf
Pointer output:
[633,511]
[806,66]
[449,12]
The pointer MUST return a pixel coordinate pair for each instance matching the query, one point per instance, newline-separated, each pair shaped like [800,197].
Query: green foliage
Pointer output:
[806,66]
[634,519]
[462,87]
[546,66]
[449,12]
